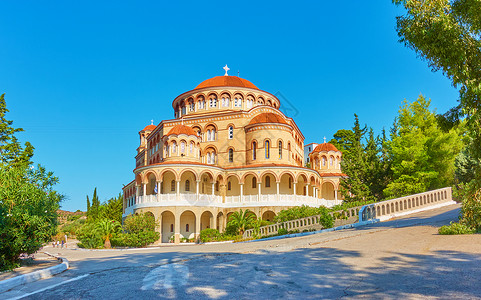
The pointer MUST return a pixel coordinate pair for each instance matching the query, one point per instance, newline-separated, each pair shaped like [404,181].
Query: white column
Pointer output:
[137,194]
[278,194]
[197,189]
[158,191]
[259,191]
[178,190]
[295,191]
[241,192]
[145,190]
[335,194]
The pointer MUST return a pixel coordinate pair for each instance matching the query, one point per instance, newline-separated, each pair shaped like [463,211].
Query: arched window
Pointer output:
[254,182]
[191,148]
[231,155]
[229,186]
[280,149]
[231,132]
[290,182]
[323,161]
[331,161]
[192,106]
[172,185]
[182,147]
[174,147]
[268,181]
[187,227]
[187,186]
[171,227]
[183,110]
[254,150]
[209,135]
[208,158]
[267,149]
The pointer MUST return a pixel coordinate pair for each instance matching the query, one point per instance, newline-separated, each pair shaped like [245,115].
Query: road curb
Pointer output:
[10,283]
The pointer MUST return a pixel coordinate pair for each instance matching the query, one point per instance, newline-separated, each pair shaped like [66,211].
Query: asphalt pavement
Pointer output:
[403,258]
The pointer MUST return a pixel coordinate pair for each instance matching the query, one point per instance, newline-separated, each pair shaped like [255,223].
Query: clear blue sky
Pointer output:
[83,77]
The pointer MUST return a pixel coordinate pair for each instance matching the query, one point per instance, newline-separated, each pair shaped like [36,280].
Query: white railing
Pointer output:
[192,199]
[383,210]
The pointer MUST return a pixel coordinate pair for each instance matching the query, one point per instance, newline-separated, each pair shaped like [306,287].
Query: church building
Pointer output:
[229,147]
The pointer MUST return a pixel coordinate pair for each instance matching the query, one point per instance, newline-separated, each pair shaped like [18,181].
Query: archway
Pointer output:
[287,184]
[232,186]
[206,220]
[188,182]
[268,216]
[327,191]
[187,225]
[168,185]
[167,226]
[269,185]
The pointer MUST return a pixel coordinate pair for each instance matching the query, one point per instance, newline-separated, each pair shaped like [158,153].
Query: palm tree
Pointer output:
[106,228]
[241,220]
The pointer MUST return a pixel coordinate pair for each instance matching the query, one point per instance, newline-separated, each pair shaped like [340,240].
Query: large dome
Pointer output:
[226,81]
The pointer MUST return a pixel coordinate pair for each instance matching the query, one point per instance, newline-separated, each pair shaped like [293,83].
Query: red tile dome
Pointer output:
[325,147]
[268,118]
[182,129]
[226,81]
[149,127]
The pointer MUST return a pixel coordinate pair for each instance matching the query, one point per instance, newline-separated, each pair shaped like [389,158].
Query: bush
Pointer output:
[299,212]
[209,235]
[455,228]
[139,223]
[282,231]
[141,239]
[89,237]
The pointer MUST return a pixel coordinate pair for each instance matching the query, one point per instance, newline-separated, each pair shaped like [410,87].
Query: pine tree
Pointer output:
[422,154]
[88,206]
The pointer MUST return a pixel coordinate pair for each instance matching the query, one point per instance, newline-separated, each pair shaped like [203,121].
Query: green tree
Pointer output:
[88,206]
[107,228]
[112,209]
[241,220]
[93,211]
[28,203]
[354,187]
[422,153]
[447,34]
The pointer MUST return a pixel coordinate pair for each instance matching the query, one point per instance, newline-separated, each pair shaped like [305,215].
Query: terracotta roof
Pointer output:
[268,118]
[226,81]
[325,147]
[182,129]
[149,127]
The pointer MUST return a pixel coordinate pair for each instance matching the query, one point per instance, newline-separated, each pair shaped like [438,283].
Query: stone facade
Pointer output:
[229,147]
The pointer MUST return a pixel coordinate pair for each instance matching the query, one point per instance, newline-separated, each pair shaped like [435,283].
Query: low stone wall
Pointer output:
[382,210]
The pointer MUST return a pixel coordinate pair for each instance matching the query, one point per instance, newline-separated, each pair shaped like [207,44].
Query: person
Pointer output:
[53,244]
[65,241]
[58,244]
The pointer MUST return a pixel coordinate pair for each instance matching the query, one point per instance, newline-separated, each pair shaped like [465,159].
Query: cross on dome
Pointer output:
[324,140]
[226,68]
[151,122]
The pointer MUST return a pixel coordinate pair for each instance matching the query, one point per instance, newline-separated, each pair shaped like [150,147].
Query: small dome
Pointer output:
[149,127]
[226,81]
[268,118]
[325,147]
[182,129]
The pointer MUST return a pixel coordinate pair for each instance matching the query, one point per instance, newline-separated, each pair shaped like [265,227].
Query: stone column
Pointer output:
[137,194]
[335,194]
[197,189]
[295,191]
[177,228]
[197,226]
[259,186]
[278,193]
[158,190]
[178,191]
[159,229]
[241,192]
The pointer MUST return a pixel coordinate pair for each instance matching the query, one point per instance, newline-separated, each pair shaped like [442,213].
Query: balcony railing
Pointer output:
[229,201]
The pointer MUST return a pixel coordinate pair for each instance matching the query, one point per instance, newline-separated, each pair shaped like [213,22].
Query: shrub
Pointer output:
[139,222]
[299,212]
[209,235]
[455,228]
[282,231]
[89,237]
[141,239]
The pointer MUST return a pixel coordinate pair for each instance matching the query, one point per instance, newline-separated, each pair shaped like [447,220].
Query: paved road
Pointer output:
[404,258]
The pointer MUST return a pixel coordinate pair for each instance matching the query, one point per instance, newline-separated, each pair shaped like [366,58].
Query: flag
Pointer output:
[155,189]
